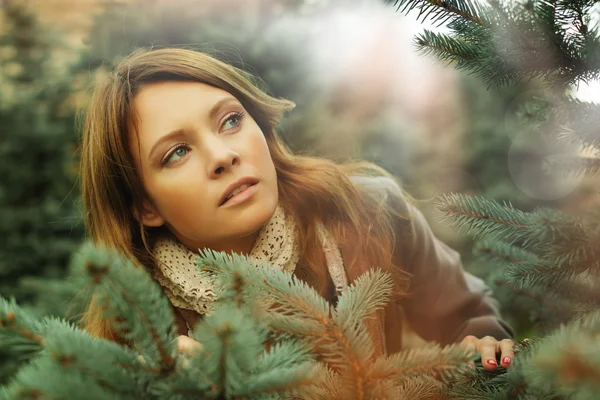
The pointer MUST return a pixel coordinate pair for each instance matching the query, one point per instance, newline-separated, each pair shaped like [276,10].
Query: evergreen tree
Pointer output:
[39,223]
[547,257]
[302,347]
[268,336]
[490,153]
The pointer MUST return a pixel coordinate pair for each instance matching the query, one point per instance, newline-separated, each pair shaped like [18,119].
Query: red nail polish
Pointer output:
[506,360]
[492,362]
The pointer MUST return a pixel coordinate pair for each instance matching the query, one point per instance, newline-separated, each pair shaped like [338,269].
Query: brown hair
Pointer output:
[310,188]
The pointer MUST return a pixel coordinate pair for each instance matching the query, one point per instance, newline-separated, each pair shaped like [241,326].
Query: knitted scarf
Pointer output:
[276,245]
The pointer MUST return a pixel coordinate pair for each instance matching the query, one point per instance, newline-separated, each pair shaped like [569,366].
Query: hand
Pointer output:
[188,346]
[489,347]
[185,346]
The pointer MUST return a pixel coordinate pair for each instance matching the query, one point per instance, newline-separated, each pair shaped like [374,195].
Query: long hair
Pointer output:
[310,188]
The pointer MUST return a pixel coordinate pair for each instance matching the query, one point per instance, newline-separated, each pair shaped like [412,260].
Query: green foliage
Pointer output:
[550,259]
[442,11]
[505,42]
[71,364]
[571,372]
[489,119]
[261,340]
[338,336]
[480,216]
[545,258]
[39,223]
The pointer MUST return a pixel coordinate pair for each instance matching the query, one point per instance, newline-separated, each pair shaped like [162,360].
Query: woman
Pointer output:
[180,153]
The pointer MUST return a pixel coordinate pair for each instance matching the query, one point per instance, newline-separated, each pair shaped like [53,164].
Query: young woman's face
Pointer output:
[193,142]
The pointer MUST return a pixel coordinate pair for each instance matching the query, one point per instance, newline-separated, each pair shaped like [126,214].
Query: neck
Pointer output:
[242,246]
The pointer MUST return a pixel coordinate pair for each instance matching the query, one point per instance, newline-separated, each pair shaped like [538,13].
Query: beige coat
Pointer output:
[445,303]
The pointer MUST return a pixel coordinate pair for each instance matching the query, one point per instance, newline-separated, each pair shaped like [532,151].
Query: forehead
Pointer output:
[170,96]
[160,107]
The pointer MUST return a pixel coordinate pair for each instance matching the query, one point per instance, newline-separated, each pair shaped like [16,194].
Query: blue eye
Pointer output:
[236,116]
[179,152]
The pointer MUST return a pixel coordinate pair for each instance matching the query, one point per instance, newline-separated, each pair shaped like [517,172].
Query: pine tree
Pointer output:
[268,336]
[38,218]
[547,257]
[490,154]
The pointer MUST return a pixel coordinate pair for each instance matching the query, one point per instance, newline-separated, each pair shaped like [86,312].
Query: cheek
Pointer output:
[261,154]
[182,194]
[189,210]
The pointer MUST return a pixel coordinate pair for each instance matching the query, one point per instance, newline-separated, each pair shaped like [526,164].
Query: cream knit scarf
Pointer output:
[276,244]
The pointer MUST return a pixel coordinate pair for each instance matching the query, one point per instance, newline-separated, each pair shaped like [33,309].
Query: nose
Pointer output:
[223,158]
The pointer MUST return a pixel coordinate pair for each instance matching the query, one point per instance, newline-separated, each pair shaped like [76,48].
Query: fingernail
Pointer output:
[492,362]
[506,360]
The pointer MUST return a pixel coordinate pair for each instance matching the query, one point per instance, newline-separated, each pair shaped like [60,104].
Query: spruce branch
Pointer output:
[447,48]
[481,217]
[444,362]
[232,338]
[291,296]
[15,321]
[569,120]
[442,10]
[551,235]
[479,383]
[133,300]
[505,280]
[42,380]
[422,387]
[567,360]
[557,307]
[511,282]
[569,248]
[337,336]
[575,166]
[20,340]
[519,41]
[234,342]
[565,239]
[500,252]
[279,353]
[579,292]
[367,294]
[563,251]
[72,352]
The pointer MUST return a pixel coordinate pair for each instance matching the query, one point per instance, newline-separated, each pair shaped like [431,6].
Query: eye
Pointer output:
[181,150]
[236,117]
[176,154]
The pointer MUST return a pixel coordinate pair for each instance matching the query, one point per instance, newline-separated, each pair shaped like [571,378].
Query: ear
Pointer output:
[149,216]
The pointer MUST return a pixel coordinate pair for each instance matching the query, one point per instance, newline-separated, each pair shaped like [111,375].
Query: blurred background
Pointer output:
[361,88]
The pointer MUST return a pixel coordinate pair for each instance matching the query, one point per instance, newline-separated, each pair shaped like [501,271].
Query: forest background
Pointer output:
[361,90]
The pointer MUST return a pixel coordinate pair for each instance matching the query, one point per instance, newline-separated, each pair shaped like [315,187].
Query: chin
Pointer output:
[262,212]
[255,216]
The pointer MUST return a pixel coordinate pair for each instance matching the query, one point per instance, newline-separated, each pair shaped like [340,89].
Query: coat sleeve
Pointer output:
[445,303]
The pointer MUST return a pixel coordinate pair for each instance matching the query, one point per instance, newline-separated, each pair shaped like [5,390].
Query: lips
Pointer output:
[243,181]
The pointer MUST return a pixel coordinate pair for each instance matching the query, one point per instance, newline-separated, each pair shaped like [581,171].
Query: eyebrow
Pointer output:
[179,132]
